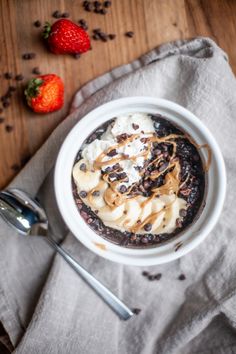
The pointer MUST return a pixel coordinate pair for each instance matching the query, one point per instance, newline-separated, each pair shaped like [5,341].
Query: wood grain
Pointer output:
[153,21]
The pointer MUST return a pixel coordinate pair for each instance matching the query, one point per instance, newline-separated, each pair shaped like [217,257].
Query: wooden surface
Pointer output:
[153,22]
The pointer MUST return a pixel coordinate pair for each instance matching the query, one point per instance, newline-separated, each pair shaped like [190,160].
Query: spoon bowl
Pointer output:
[28,218]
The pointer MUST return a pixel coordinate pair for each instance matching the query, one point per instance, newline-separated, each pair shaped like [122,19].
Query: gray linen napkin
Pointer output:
[46,308]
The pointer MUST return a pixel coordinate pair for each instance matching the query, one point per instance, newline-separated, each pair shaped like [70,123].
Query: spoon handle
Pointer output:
[115,304]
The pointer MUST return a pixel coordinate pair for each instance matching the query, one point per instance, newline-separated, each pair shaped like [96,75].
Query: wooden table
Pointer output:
[153,22]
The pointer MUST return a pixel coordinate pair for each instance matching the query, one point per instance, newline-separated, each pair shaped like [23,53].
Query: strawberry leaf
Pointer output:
[47,30]
[33,88]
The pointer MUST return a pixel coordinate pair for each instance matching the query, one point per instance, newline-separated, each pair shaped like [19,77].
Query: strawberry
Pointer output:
[65,37]
[45,93]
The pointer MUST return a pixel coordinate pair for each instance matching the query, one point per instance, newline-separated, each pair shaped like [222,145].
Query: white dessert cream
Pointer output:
[112,166]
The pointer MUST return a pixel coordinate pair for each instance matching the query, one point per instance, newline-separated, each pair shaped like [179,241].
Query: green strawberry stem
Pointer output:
[47,30]
[32,89]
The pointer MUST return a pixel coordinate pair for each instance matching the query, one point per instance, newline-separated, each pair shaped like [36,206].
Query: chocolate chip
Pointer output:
[56,14]
[1,110]
[182,213]
[2,120]
[96,36]
[36,71]
[8,76]
[144,239]
[83,194]
[123,188]
[85,3]
[82,22]
[9,128]
[136,311]
[151,277]
[28,56]
[112,153]
[103,11]
[145,273]
[158,276]
[108,169]
[6,103]
[129,34]
[135,126]
[77,56]
[178,222]
[147,227]
[182,277]
[96,194]
[37,23]
[111,36]
[83,167]
[163,166]
[97,3]
[19,77]
[97,30]
[12,88]
[65,15]
[103,36]
[107,4]
[88,7]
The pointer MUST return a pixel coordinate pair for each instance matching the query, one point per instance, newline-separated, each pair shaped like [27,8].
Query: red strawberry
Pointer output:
[45,93]
[65,37]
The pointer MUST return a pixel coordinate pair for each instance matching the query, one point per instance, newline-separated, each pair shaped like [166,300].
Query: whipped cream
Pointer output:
[136,123]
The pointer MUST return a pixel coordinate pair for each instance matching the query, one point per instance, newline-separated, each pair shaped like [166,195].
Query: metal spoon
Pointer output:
[27,216]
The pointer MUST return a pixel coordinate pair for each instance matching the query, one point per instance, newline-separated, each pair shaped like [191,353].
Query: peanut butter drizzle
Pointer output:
[114,198]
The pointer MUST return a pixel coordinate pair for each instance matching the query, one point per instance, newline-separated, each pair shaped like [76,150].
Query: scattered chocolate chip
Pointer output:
[96,36]
[145,273]
[144,239]
[182,277]
[103,36]
[15,167]
[28,56]
[1,120]
[1,110]
[151,277]
[182,213]
[83,194]
[12,88]
[111,36]
[8,76]
[135,126]
[136,311]
[97,30]
[6,103]
[83,167]
[158,276]
[56,14]
[95,193]
[107,4]
[65,15]
[103,11]
[85,3]
[122,175]
[19,77]
[123,188]
[83,24]
[36,71]
[77,56]
[112,175]
[108,169]
[88,7]
[97,3]
[37,23]
[129,34]
[147,227]
[112,153]
[9,128]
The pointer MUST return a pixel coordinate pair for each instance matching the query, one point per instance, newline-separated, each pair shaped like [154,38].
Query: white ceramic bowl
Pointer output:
[162,253]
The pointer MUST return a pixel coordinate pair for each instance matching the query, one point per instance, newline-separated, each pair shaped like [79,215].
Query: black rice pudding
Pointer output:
[138,180]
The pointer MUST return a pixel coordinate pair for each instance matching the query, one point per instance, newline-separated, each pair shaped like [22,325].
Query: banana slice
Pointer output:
[146,208]
[85,180]
[168,224]
[110,214]
[97,201]
[131,214]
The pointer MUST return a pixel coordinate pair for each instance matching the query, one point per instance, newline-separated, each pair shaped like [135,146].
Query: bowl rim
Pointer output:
[140,257]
